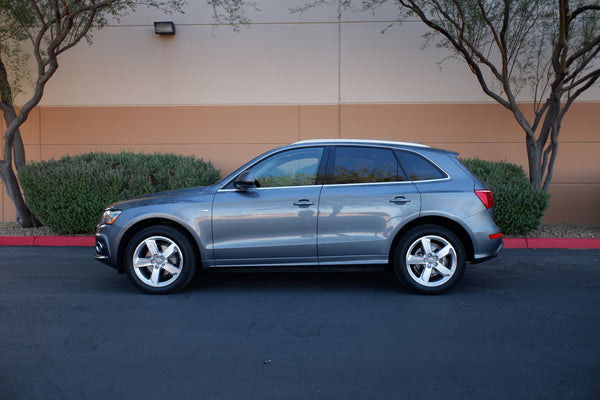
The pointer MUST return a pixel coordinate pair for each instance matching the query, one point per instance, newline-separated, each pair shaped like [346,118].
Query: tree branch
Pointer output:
[579,81]
[81,34]
[464,51]
[583,51]
[577,93]
[6,96]
[460,49]
[539,114]
[583,9]
[497,38]
[583,65]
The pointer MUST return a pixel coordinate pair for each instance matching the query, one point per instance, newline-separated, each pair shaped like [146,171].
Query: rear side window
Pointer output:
[419,168]
[365,165]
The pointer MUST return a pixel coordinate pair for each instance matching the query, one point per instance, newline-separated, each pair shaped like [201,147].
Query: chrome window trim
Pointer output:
[268,188]
[337,184]
[380,183]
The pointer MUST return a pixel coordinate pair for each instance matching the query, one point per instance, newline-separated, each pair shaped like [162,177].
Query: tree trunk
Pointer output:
[534,156]
[541,155]
[24,217]
[18,150]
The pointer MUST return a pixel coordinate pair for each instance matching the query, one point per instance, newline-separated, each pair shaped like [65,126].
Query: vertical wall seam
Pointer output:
[299,122]
[3,192]
[339,105]
[40,132]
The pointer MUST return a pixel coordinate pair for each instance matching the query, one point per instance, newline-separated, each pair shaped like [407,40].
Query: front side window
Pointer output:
[297,167]
[365,165]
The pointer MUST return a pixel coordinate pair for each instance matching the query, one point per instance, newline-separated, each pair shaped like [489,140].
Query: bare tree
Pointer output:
[43,30]
[550,47]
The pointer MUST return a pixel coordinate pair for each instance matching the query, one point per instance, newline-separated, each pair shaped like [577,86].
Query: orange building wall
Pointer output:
[230,135]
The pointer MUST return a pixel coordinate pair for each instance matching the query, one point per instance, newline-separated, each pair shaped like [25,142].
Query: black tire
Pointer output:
[438,259]
[160,260]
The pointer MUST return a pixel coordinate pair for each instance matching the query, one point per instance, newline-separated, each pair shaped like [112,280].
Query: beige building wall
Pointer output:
[227,96]
[230,135]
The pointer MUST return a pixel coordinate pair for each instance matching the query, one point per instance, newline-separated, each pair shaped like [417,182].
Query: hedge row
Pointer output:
[519,205]
[69,194]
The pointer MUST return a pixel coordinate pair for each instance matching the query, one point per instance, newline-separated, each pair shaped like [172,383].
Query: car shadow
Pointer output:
[376,280]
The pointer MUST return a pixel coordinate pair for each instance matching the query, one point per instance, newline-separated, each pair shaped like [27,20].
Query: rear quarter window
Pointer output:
[418,168]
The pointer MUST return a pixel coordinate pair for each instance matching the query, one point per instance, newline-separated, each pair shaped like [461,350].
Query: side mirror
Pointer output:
[245,180]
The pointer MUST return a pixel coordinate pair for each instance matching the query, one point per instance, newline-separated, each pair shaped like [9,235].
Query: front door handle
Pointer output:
[303,202]
[399,200]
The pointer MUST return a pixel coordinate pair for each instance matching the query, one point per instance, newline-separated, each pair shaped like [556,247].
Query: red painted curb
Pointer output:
[17,240]
[551,243]
[47,240]
[520,243]
[510,243]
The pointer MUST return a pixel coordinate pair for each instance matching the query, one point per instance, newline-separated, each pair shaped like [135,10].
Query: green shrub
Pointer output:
[68,194]
[519,205]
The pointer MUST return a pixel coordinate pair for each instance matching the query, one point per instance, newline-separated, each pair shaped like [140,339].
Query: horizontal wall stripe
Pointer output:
[231,135]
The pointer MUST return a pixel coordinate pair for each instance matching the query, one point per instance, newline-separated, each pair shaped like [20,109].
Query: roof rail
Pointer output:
[365,141]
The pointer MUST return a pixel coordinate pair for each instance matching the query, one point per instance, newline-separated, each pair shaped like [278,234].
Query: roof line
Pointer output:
[366,141]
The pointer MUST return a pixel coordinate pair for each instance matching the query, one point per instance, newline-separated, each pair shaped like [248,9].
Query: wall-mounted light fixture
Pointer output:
[164,28]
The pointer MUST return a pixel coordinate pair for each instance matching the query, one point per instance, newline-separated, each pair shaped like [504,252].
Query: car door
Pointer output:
[274,222]
[364,199]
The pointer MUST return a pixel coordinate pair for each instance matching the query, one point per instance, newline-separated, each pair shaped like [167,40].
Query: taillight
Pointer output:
[486,197]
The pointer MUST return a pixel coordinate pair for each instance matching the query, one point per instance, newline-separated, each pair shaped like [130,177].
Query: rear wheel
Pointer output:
[160,260]
[429,259]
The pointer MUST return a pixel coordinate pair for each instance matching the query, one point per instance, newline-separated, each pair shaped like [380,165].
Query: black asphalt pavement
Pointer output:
[523,326]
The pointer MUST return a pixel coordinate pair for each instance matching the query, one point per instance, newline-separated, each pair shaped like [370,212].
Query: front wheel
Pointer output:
[160,260]
[429,259]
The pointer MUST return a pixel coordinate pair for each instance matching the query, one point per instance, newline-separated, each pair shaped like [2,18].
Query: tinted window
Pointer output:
[291,168]
[364,165]
[418,168]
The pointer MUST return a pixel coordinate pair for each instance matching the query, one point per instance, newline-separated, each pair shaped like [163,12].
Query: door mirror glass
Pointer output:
[245,180]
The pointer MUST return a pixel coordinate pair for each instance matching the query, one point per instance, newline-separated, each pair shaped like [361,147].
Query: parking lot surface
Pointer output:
[523,326]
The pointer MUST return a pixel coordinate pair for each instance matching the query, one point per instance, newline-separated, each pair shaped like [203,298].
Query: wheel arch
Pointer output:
[447,223]
[143,224]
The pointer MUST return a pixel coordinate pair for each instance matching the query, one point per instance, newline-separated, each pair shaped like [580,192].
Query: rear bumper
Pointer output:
[481,257]
[486,248]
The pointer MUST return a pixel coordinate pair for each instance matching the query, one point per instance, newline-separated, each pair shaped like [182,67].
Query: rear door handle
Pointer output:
[303,202]
[399,200]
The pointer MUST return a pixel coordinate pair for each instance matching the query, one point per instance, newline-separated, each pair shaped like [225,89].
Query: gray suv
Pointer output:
[313,204]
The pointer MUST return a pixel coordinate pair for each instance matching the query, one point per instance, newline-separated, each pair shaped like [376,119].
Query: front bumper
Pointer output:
[102,251]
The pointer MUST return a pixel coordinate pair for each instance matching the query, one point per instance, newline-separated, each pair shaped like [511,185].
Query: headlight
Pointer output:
[109,216]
